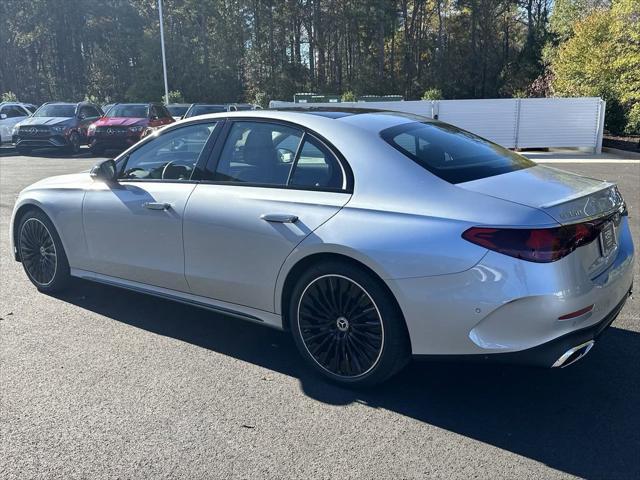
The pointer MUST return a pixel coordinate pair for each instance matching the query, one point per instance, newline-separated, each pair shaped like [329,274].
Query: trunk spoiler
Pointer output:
[595,202]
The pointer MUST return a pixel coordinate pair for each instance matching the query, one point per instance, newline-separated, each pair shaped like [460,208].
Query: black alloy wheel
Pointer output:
[38,252]
[41,252]
[347,325]
[340,325]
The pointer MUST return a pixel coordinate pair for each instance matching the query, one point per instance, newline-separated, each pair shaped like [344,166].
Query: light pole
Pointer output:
[164,58]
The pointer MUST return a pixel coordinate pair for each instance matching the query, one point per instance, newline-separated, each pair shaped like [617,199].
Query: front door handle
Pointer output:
[279,218]
[157,205]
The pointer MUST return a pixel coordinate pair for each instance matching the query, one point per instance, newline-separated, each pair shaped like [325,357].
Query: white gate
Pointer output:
[510,122]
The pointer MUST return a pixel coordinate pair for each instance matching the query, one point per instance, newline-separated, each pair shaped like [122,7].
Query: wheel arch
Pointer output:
[17,217]
[303,264]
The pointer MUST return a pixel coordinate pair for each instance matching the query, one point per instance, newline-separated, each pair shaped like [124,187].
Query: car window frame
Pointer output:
[196,175]
[211,165]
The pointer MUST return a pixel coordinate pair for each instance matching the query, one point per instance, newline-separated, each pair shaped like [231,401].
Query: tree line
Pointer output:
[256,50]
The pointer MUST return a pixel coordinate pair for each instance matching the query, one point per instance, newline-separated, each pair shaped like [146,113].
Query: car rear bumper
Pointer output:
[559,352]
[506,306]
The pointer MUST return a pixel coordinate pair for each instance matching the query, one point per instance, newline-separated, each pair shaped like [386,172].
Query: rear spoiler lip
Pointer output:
[584,193]
[602,200]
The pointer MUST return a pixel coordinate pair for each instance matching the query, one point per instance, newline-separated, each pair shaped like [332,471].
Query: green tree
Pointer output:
[8,97]
[432,94]
[348,96]
[602,58]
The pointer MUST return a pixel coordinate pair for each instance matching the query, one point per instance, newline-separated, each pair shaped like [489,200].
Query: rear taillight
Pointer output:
[540,245]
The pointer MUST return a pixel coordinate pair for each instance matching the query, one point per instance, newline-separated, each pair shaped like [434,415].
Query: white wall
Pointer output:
[511,122]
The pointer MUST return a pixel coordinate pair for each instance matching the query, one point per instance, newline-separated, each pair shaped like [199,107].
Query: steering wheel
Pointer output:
[164,169]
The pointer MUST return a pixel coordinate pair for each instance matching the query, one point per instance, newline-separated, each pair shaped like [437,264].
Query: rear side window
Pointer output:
[316,167]
[452,154]
[258,153]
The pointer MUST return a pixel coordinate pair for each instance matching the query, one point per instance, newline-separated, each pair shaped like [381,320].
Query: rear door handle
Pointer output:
[157,205]
[279,218]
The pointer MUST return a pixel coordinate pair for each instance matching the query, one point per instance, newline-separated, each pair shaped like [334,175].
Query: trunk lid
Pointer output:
[566,197]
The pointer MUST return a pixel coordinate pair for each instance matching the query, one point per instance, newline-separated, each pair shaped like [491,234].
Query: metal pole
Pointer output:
[164,58]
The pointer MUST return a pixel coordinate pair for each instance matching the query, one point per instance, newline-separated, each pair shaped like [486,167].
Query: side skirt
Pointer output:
[233,310]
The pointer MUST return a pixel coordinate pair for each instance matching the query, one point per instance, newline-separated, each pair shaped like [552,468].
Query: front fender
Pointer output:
[63,206]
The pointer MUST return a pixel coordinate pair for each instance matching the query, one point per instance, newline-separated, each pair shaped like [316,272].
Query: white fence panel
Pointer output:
[510,122]
[418,107]
[493,119]
[559,122]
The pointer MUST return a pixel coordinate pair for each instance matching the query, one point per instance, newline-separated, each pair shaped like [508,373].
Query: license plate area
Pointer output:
[608,239]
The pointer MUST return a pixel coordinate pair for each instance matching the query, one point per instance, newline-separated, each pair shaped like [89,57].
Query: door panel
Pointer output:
[129,236]
[232,253]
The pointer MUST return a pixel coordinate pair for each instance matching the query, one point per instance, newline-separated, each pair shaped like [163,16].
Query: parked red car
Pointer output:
[124,124]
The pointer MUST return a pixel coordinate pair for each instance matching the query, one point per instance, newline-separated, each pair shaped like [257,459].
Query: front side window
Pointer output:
[452,154]
[171,156]
[258,153]
[129,111]
[53,110]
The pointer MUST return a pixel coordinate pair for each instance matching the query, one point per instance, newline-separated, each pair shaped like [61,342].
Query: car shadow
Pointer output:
[582,420]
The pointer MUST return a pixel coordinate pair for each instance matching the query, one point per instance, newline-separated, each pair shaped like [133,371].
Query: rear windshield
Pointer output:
[204,109]
[56,111]
[452,154]
[133,111]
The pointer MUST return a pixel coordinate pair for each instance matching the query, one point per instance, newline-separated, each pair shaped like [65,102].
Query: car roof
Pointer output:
[373,120]
[142,104]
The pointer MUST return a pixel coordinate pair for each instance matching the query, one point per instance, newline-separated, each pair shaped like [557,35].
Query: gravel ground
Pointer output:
[105,383]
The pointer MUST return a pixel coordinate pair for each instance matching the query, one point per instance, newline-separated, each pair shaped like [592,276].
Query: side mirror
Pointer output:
[3,116]
[105,171]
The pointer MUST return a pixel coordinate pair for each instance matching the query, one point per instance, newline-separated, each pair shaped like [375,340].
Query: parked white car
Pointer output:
[11,113]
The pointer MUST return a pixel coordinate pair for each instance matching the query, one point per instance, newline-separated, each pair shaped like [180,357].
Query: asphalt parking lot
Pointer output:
[105,383]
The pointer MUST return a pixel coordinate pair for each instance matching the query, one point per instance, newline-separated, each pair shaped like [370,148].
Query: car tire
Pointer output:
[74,143]
[347,325]
[41,252]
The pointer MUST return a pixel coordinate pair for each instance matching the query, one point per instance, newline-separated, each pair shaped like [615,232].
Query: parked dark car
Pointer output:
[178,109]
[124,124]
[237,107]
[56,125]
[205,108]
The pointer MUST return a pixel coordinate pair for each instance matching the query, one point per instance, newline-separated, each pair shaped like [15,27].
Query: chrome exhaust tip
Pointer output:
[573,354]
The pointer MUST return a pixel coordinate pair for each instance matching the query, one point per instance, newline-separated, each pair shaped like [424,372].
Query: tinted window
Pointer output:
[88,111]
[163,112]
[253,153]
[204,109]
[316,167]
[56,111]
[453,154]
[177,110]
[171,156]
[132,111]
[13,111]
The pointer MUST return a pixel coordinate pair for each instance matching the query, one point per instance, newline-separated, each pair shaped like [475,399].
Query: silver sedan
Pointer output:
[371,236]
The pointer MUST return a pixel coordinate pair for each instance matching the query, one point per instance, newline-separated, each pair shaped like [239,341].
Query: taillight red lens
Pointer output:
[541,245]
